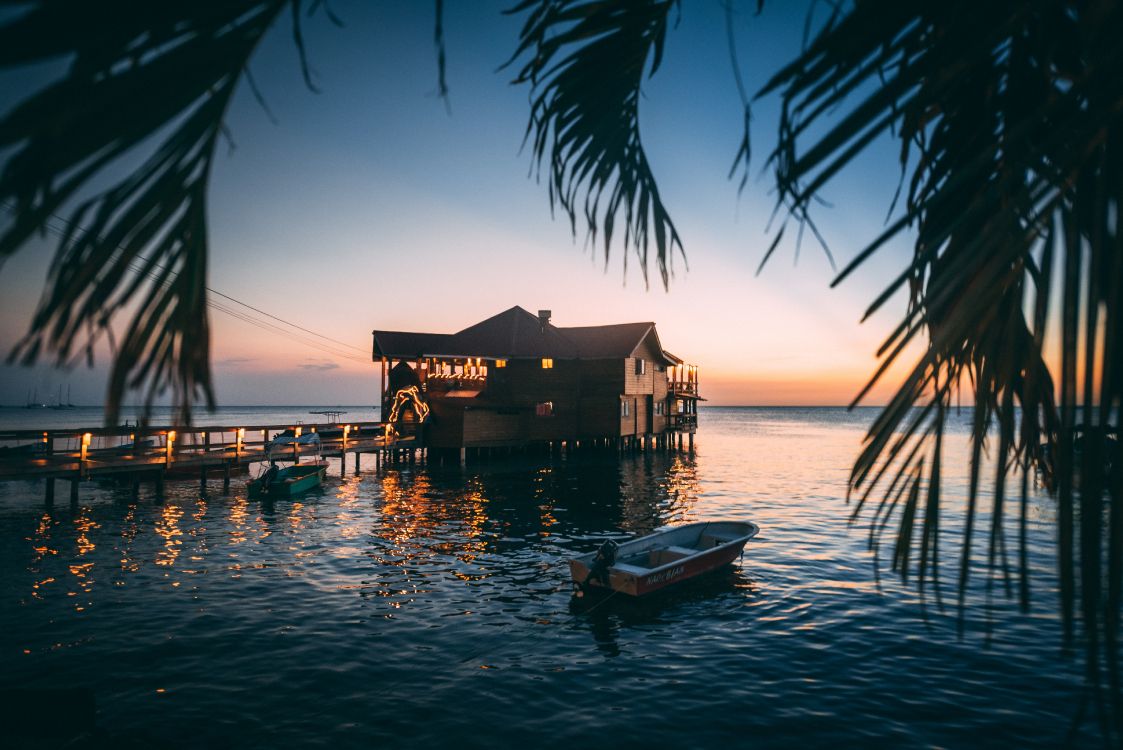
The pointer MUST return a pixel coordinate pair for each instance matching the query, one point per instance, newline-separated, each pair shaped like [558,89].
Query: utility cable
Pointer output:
[136,266]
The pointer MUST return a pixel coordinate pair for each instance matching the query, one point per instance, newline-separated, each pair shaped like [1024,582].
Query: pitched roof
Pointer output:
[516,334]
[407,344]
[608,342]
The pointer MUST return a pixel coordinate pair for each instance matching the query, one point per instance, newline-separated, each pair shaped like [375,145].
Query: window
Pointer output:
[544,409]
[500,363]
[547,363]
[641,366]
[624,408]
[658,407]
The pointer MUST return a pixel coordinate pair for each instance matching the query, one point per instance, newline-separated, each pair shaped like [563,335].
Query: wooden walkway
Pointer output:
[170,452]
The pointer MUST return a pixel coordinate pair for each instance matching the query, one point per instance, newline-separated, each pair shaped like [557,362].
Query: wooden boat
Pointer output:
[293,480]
[289,481]
[667,557]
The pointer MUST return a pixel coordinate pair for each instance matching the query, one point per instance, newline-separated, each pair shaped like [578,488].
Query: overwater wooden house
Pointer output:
[517,379]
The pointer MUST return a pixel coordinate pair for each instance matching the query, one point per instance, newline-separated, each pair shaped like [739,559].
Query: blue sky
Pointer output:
[369,205]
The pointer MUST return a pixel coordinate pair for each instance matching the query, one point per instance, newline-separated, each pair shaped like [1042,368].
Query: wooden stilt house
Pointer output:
[516,379]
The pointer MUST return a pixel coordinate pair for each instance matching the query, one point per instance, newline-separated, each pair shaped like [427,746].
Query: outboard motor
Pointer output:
[602,561]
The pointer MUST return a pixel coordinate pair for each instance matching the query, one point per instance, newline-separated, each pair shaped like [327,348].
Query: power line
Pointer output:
[134,265]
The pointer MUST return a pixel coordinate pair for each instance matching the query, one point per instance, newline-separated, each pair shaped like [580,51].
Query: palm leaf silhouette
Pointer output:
[1011,151]
[145,84]
[585,62]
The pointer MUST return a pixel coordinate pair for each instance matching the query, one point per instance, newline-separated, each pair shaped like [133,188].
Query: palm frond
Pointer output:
[1009,117]
[585,62]
[138,74]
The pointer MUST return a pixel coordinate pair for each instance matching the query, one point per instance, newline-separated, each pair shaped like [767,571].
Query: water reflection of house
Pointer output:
[516,379]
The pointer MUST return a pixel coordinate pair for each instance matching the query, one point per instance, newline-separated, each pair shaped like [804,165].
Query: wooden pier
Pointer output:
[158,453]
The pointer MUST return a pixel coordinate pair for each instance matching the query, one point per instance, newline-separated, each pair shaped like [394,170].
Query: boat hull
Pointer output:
[668,557]
[291,481]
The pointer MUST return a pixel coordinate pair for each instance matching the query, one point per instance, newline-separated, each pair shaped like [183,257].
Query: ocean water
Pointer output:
[428,605]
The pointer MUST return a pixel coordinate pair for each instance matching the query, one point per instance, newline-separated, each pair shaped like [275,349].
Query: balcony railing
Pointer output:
[682,421]
[681,386]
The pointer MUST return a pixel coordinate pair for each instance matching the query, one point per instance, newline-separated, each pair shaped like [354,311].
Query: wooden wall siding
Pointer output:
[630,423]
[652,381]
[492,427]
[599,416]
[524,381]
[601,377]
[586,395]
[648,350]
[498,427]
[445,428]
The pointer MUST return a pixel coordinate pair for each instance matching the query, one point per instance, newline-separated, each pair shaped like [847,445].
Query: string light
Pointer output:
[412,397]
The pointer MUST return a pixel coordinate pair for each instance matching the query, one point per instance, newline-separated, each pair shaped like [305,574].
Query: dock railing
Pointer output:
[102,450]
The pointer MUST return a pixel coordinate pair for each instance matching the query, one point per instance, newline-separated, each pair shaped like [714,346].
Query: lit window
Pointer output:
[547,363]
[544,409]
[500,363]
[624,408]
[641,366]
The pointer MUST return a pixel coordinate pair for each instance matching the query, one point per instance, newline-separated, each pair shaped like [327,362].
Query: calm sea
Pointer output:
[427,605]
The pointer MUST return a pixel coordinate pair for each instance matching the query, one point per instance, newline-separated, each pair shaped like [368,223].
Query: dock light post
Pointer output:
[171,442]
[241,435]
[343,451]
[86,437]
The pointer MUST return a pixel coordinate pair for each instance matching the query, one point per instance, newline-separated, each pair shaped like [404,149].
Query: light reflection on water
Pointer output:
[426,604]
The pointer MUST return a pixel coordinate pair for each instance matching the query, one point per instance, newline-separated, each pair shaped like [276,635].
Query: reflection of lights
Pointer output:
[295,519]
[128,534]
[83,524]
[239,512]
[419,526]
[40,540]
[167,528]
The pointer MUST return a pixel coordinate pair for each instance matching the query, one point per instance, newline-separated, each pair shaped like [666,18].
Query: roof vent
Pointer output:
[544,319]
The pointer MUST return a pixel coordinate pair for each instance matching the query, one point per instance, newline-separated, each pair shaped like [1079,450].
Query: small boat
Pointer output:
[292,480]
[667,557]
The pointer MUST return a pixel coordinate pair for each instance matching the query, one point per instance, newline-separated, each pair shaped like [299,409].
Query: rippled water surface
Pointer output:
[426,605]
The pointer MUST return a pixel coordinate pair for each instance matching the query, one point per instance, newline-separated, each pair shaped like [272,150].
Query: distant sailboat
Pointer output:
[34,403]
[60,404]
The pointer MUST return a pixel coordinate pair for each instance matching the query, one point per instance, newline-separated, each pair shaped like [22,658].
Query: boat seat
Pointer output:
[666,555]
[632,569]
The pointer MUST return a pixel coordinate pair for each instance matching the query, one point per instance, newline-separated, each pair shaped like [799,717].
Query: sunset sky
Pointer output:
[369,205]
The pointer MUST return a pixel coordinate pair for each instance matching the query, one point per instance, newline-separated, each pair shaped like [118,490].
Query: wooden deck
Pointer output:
[179,452]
